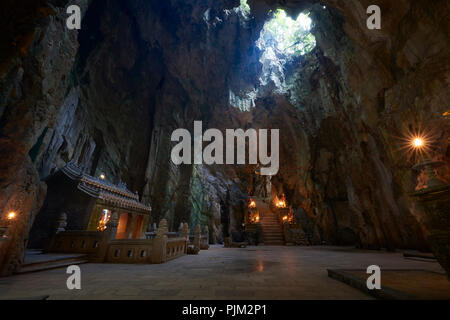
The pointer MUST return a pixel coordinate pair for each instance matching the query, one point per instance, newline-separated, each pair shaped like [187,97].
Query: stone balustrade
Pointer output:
[86,242]
[129,251]
[102,247]
[176,248]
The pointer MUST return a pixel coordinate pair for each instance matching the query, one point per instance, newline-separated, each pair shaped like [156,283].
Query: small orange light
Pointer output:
[11,215]
[285,218]
[281,204]
[102,176]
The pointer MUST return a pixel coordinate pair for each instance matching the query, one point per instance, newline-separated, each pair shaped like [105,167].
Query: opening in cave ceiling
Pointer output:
[281,40]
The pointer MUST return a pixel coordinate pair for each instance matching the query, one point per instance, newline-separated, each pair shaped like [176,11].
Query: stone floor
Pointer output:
[417,284]
[277,272]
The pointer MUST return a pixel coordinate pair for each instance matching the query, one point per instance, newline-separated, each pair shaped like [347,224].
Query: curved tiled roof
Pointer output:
[115,195]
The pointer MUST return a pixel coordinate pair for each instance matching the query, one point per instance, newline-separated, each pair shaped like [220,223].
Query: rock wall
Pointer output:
[37,55]
[358,95]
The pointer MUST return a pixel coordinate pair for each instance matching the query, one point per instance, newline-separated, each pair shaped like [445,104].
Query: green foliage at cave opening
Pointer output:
[245,8]
[286,36]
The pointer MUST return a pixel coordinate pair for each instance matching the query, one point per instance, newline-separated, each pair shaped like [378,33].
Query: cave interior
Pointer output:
[362,117]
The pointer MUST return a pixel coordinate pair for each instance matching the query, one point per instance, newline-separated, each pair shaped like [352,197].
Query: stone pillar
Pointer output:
[287,234]
[60,226]
[207,234]
[61,223]
[435,201]
[109,234]
[130,224]
[111,225]
[185,232]
[185,235]
[159,251]
[180,229]
[205,239]
[197,237]
[144,228]
[227,242]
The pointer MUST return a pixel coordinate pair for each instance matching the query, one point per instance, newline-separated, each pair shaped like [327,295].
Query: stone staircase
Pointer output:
[271,227]
[36,261]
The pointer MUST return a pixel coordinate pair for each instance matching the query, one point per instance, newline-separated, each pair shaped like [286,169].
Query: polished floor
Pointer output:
[261,272]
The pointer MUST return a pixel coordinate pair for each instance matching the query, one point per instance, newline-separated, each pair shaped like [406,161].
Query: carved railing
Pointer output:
[102,247]
[87,242]
[176,248]
[129,251]
[152,234]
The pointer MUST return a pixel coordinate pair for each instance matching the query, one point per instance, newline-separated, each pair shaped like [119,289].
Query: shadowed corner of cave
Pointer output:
[90,171]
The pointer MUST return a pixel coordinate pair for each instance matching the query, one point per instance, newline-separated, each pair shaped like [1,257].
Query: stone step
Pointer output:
[274,243]
[273,236]
[52,263]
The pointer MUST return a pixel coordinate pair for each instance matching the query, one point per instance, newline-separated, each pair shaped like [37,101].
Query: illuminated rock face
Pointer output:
[36,60]
[24,196]
[110,95]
